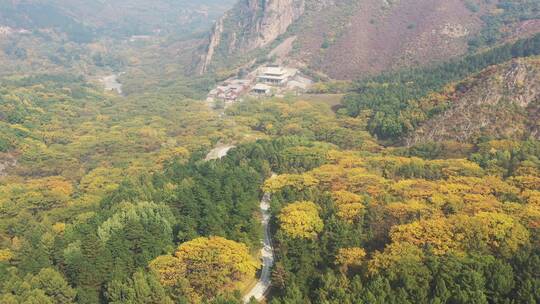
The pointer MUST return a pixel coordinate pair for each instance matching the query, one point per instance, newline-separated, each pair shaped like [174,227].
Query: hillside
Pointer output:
[416,182]
[502,101]
[99,38]
[399,102]
[82,21]
[347,39]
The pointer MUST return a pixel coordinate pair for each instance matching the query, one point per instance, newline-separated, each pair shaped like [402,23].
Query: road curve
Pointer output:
[218,152]
[267,251]
[259,291]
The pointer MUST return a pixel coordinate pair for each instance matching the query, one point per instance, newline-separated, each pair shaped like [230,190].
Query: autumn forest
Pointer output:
[416,185]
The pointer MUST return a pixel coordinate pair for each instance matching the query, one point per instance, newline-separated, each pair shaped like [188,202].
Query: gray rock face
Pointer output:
[276,17]
[215,40]
[250,25]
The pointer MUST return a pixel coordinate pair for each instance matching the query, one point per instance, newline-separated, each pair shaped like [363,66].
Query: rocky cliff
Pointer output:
[344,39]
[502,101]
[350,39]
[251,24]
[213,44]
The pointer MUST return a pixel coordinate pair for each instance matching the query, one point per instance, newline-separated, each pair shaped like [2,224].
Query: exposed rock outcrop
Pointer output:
[345,39]
[250,25]
[502,101]
[215,39]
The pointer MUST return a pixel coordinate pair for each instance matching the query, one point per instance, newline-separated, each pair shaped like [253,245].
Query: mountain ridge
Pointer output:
[83,20]
[346,39]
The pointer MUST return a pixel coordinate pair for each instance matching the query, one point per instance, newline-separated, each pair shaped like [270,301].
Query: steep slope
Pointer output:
[402,34]
[347,39]
[249,25]
[501,101]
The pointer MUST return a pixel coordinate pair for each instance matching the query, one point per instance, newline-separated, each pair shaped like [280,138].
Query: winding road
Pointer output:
[267,251]
[218,152]
[259,291]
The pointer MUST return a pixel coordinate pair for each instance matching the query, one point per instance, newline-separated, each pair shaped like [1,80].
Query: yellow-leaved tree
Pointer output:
[349,205]
[393,255]
[350,258]
[493,232]
[301,220]
[205,267]
[169,269]
[436,233]
[504,235]
[297,181]
[35,195]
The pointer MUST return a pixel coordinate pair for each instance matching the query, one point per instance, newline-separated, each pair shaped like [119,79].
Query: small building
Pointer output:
[261,89]
[230,90]
[277,76]
[270,80]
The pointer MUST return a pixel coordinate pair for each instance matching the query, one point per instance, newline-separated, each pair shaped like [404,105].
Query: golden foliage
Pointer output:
[414,188]
[205,267]
[349,205]
[436,233]
[5,255]
[59,228]
[172,153]
[531,197]
[330,176]
[487,185]
[297,181]
[406,212]
[37,194]
[496,232]
[301,220]
[505,235]
[530,215]
[168,268]
[101,180]
[458,167]
[350,257]
[528,182]
[394,254]
[369,183]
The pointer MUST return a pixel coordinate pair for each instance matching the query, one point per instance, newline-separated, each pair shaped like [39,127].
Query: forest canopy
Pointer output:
[116,198]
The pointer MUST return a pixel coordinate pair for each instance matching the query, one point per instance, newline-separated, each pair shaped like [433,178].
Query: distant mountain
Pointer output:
[502,101]
[82,20]
[347,39]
